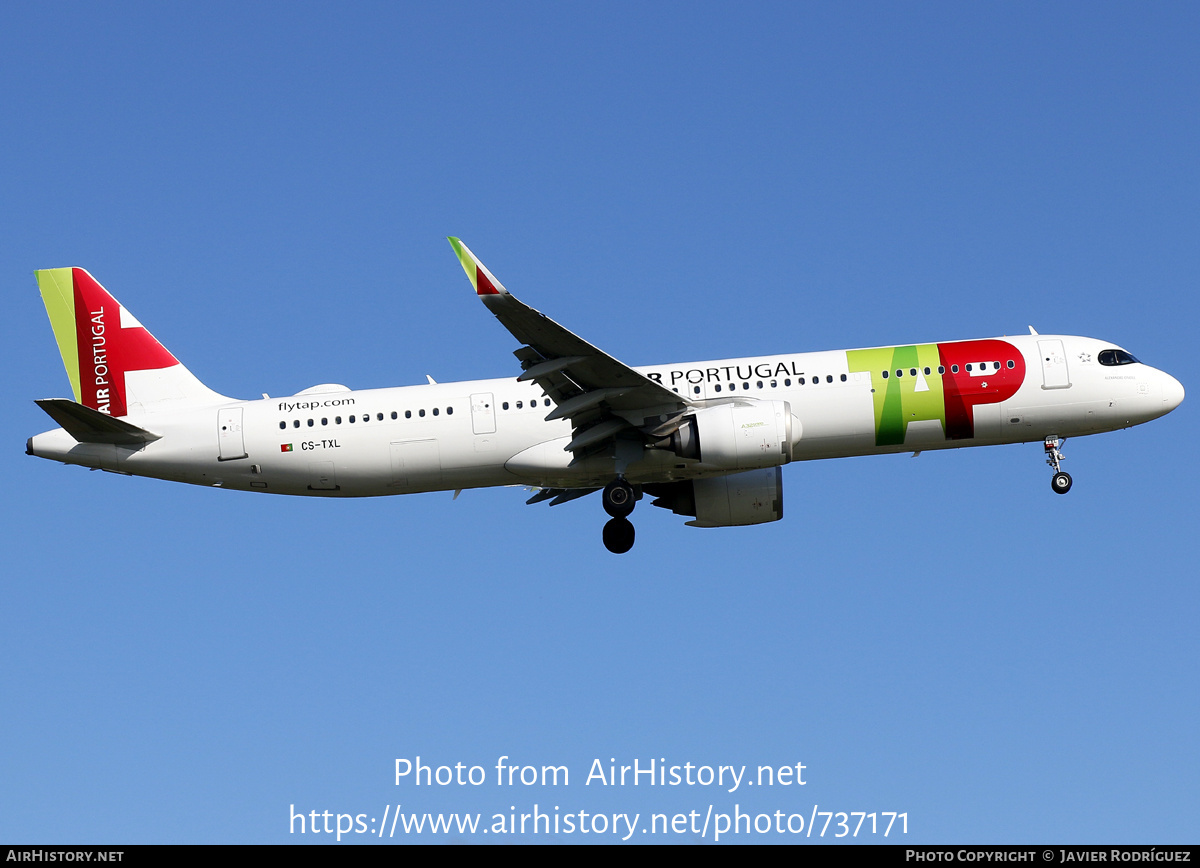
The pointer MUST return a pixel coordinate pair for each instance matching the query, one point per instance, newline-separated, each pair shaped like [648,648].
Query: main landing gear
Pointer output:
[619,499]
[1060,481]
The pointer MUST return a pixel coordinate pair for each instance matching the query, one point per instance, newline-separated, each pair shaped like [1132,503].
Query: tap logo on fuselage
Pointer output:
[937,382]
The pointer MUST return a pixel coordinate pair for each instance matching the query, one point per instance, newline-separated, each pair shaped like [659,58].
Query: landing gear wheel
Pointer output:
[619,500]
[1061,482]
[618,535]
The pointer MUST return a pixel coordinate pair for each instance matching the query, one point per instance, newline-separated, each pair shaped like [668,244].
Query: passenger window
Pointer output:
[296,423]
[843,378]
[325,420]
[408,414]
[393,414]
[337,420]
[717,387]
[282,425]
[954,368]
[310,423]
[450,410]
[435,411]
[420,413]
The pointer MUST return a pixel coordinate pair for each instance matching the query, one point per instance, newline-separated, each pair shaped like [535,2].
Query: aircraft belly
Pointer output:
[1139,401]
[925,434]
[416,464]
[838,422]
[987,422]
[549,457]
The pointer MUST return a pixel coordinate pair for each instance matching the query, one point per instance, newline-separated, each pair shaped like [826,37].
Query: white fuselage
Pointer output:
[342,443]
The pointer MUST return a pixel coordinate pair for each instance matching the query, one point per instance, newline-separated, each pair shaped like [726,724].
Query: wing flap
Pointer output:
[550,366]
[557,496]
[598,433]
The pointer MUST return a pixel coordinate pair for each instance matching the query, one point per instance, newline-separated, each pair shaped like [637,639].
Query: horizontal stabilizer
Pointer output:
[91,426]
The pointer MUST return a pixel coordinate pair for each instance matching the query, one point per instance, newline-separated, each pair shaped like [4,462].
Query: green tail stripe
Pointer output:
[58,293]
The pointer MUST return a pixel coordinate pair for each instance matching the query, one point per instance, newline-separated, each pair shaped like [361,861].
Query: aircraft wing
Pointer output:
[603,398]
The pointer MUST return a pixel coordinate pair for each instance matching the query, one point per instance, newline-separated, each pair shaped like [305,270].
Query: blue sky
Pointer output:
[268,188]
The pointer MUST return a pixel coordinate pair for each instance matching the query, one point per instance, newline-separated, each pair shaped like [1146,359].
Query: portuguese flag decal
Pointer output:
[285,447]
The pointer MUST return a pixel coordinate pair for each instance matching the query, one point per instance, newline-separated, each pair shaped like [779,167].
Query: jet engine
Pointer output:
[749,497]
[738,436]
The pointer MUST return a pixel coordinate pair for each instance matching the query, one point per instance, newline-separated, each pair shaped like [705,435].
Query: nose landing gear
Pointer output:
[619,499]
[1060,482]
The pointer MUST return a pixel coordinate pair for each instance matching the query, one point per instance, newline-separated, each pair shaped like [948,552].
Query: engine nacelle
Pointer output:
[734,500]
[739,436]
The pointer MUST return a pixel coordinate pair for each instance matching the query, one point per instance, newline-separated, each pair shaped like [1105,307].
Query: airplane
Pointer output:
[707,440]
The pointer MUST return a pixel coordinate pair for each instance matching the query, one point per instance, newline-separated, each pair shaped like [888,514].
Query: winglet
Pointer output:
[481,279]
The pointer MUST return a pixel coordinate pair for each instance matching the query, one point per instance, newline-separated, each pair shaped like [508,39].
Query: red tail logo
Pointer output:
[111,344]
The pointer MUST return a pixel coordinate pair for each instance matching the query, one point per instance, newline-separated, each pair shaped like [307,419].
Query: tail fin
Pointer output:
[116,367]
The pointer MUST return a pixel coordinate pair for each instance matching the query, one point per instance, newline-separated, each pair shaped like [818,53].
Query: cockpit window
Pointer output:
[1115,357]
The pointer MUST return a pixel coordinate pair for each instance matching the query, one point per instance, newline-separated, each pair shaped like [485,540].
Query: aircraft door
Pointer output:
[1054,365]
[483,413]
[230,443]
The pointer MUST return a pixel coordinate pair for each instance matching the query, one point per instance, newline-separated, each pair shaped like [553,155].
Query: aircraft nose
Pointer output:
[1172,392]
